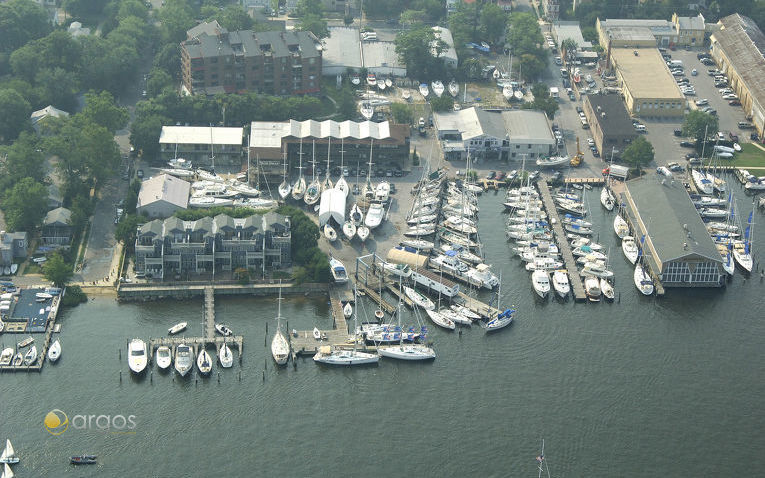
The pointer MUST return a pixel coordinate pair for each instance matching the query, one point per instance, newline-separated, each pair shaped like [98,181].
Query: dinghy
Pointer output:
[316,333]
[223,330]
[179,327]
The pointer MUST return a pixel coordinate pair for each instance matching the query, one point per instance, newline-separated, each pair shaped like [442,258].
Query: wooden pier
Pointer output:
[209,312]
[305,343]
[371,289]
[592,181]
[42,352]
[635,232]
[479,307]
[563,245]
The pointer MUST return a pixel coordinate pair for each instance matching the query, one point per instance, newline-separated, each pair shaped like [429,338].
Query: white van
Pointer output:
[640,128]
[676,63]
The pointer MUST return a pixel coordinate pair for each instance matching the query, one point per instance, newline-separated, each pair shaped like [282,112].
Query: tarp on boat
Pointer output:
[410,258]
[332,206]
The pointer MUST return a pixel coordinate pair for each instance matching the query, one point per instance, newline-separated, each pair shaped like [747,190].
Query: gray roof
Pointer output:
[267,134]
[744,45]
[691,23]
[616,121]
[666,210]
[252,44]
[153,228]
[224,222]
[209,28]
[564,30]
[204,224]
[471,123]
[342,48]
[381,54]
[60,215]
[173,223]
[528,125]
[164,188]
[253,222]
[274,219]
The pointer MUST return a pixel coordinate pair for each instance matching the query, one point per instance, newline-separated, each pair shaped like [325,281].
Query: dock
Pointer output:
[577,287]
[304,343]
[42,351]
[635,232]
[592,181]
[479,307]
[371,289]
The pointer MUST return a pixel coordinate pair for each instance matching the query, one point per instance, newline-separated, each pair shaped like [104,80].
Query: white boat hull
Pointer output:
[408,352]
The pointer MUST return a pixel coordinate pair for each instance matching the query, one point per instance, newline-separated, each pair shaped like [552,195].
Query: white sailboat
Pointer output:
[502,319]
[341,183]
[607,198]
[437,87]
[298,189]
[356,215]
[424,90]
[284,188]
[330,233]
[164,358]
[313,191]
[7,472]
[333,356]
[419,299]
[621,228]
[403,351]
[642,280]
[137,359]
[9,454]
[454,88]
[225,356]
[347,310]
[280,349]
[204,362]
[184,359]
[349,229]
[606,289]
[630,249]
[742,250]
[363,232]
[54,352]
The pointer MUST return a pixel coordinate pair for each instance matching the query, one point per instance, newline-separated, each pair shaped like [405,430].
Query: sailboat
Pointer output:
[357,216]
[642,280]
[607,198]
[630,249]
[298,190]
[313,192]
[742,250]
[280,349]
[620,227]
[406,95]
[9,455]
[330,233]
[54,352]
[204,362]
[424,90]
[285,188]
[7,472]
[225,356]
[404,351]
[419,299]
[437,87]
[341,183]
[454,88]
[503,319]
[349,229]
[333,356]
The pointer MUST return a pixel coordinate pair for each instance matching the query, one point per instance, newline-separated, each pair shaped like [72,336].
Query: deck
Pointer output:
[564,247]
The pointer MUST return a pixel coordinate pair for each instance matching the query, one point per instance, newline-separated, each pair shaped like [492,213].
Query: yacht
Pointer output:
[338,271]
[164,357]
[183,359]
[592,288]
[280,349]
[597,268]
[137,359]
[483,275]
[642,280]
[606,289]
[224,330]
[630,249]
[374,215]
[540,279]
[449,262]
[560,283]
[544,263]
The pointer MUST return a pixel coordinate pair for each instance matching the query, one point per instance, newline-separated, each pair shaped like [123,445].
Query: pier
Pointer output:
[304,343]
[142,292]
[42,351]
[563,245]
[592,181]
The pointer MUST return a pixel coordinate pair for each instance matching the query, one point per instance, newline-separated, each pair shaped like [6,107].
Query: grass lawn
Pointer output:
[749,157]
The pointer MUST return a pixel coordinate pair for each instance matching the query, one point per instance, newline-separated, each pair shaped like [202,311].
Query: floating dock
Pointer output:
[563,245]
[592,181]
[42,352]
[305,343]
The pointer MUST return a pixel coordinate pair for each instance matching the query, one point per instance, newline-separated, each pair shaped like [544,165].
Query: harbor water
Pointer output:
[639,387]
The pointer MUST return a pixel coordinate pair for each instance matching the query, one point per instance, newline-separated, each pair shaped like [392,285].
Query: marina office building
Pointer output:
[173,247]
[269,140]
[610,124]
[738,47]
[650,33]
[648,87]
[677,246]
[510,135]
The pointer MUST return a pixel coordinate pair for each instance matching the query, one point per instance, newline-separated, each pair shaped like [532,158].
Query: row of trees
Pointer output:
[406,10]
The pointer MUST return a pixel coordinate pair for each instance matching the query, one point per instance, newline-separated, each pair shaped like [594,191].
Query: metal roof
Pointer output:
[615,121]
[266,134]
[474,122]
[164,188]
[60,215]
[528,125]
[646,74]
[564,30]
[674,225]
[342,48]
[210,28]
[200,135]
[744,45]
[381,54]
[445,35]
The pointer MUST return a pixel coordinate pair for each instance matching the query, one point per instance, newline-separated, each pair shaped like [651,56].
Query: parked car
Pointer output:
[694,162]
[734,103]
[745,125]
[579,109]
[678,132]
[491,175]
[674,167]
[687,144]
[139,174]
[691,156]
[694,72]
[591,142]
[702,102]
[733,136]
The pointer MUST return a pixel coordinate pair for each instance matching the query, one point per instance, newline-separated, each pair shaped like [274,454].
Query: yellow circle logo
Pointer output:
[56,422]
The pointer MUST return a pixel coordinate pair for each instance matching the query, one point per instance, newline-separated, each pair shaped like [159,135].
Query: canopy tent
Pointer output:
[332,206]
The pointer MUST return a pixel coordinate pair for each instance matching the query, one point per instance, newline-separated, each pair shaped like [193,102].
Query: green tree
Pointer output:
[568,48]
[639,153]
[15,114]
[415,48]
[493,22]
[82,8]
[132,8]
[235,18]
[169,59]
[402,113]
[412,17]
[346,104]
[309,7]
[523,34]
[56,270]
[443,103]
[126,230]
[158,80]
[22,159]
[144,134]
[101,109]
[697,123]
[542,100]
[25,205]
[20,22]
[58,87]
[314,24]
[176,18]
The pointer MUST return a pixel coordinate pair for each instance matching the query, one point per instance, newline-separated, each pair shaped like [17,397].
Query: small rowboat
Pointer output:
[83,460]
[177,328]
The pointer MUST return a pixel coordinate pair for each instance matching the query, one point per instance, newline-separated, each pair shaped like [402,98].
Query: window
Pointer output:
[529,146]
[517,146]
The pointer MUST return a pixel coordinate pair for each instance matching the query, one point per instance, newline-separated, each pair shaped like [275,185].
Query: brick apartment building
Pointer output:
[214,60]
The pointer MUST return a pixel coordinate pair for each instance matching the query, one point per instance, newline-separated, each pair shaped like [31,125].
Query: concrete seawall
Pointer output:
[149,292]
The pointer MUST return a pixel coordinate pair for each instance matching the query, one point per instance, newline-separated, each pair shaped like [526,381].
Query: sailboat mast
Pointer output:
[329,144]
[313,159]
[248,160]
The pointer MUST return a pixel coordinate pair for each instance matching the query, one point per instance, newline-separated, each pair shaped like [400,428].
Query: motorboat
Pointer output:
[6,356]
[355,80]
[381,85]
[371,79]
[316,333]
[225,356]
[43,295]
[207,202]
[347,310]
[382,191]
[454,316]
[183,359]
[406,95]
[256,203]
[607,198]
[356,215]
[397,270]
[621,228]
[642,280]
[607,289]
[179,327]
[592,288]
[437,87]
[204,362]
[482,275]
[164,357]
[424,90]
[419,244]
[419,299]
[54,351]
[561,283]
[553,161]
[449,262]
[178,173]
[223,330]
[579,241]
[137,359]
[540,279]
[8,457]
[363,232]
[374,215]
[330,233]
[366,110]
[440,320]
[243,189]
[544,263]
[630,249]
[208,176]
[454,88]
[83,460]
[339,273]
[349,229]
[518,94]
[597,268]
[507,92]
